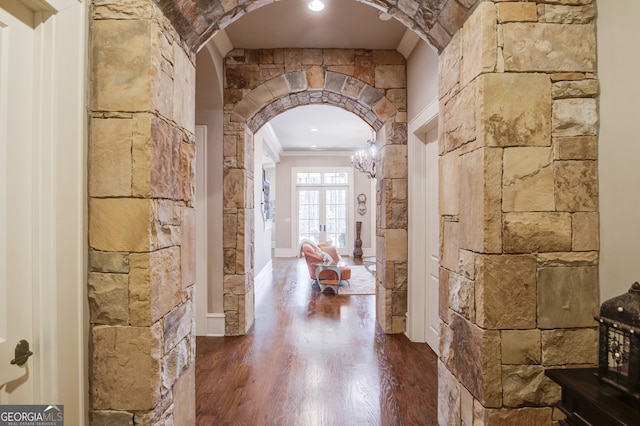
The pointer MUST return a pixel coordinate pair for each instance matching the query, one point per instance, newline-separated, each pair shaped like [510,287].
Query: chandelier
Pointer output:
[364,160]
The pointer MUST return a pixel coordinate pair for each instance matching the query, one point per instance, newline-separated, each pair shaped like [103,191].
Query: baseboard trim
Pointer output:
[368,252]
[286,252]
[215,324]
[262,279]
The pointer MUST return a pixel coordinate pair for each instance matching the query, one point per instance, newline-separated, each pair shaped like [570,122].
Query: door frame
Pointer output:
[426,120]
[294,200]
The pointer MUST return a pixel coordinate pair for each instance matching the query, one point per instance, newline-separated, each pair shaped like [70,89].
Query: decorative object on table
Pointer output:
[364,160]
[266,197]
[357,251]
[619,347]
[362,204]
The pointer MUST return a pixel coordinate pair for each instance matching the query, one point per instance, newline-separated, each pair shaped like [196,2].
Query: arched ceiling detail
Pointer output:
[260,105]
[435,21]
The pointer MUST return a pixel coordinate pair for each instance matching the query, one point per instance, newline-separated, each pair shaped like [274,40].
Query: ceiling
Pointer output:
[346,24]
[320,128]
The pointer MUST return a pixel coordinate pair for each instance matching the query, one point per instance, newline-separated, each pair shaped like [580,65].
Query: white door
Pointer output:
[16,198]
[432,238]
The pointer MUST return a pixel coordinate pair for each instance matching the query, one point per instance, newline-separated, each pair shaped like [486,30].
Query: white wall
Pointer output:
[209,113]
[212,119]
[422,79]
[262,227]
[619,145]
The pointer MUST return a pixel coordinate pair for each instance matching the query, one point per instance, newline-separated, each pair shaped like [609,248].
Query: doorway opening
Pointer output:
[323,204]
[370,103]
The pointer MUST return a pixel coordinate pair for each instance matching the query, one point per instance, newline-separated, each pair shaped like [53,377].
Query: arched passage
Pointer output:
[435,21]
[376,92]
[519,228]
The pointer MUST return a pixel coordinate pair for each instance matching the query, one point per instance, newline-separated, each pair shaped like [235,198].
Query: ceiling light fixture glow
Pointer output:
[316,5]
[384,16]
[314,129]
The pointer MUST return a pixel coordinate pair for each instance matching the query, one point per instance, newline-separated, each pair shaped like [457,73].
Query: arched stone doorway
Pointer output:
[435,21]
[518,225]
[262,84]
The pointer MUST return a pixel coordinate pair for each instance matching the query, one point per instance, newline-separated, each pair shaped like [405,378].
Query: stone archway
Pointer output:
[519,228]
[262,84]
[435,21]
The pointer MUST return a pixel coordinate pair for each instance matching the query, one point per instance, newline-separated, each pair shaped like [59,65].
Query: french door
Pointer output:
[322,206]
[322,215]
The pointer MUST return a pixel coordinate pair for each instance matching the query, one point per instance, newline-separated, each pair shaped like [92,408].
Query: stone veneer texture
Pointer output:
[519,211]
[260,84]
[141,219]
[519,205]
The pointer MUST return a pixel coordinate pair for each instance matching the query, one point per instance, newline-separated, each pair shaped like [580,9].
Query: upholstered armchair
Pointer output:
[324,253]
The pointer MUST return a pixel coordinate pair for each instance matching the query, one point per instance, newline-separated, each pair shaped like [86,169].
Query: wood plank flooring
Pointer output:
[314,359]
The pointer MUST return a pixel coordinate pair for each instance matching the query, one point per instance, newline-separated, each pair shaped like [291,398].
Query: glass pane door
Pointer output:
[336,216]
[309,214]
[322,214]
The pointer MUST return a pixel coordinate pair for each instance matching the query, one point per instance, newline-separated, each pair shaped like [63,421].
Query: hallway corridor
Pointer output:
[314,359]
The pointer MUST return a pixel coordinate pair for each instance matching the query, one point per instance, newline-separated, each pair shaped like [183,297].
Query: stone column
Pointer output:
[238,225]
[141,219]
[392,241]
[519,255]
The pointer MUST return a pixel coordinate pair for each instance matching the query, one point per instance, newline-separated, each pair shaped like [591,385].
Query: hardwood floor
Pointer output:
[314,359]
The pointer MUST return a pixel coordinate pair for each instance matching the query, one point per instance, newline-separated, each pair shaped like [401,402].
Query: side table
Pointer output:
[324,283]
[370,264]
[586,401]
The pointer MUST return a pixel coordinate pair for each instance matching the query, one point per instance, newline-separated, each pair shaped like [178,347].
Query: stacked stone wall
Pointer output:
[141,219]
[518,212]
[259,85]
[519,209]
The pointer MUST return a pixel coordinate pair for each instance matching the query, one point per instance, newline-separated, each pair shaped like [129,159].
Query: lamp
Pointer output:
[619,348]
[364,160]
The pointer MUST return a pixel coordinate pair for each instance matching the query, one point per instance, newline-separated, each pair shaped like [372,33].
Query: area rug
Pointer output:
[361,282]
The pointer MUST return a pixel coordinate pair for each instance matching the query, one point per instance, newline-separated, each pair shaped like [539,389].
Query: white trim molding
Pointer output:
[416,290]
[202,276]
[215,324]
[307,153]
[262,278]
[286,252]
[52,6]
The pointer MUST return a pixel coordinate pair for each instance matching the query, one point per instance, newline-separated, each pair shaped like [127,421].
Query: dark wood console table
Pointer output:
[586,401]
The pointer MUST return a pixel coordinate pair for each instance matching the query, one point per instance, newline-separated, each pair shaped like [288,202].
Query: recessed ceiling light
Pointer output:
[314,146]
[314,129]
[316,5]
[384,16]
